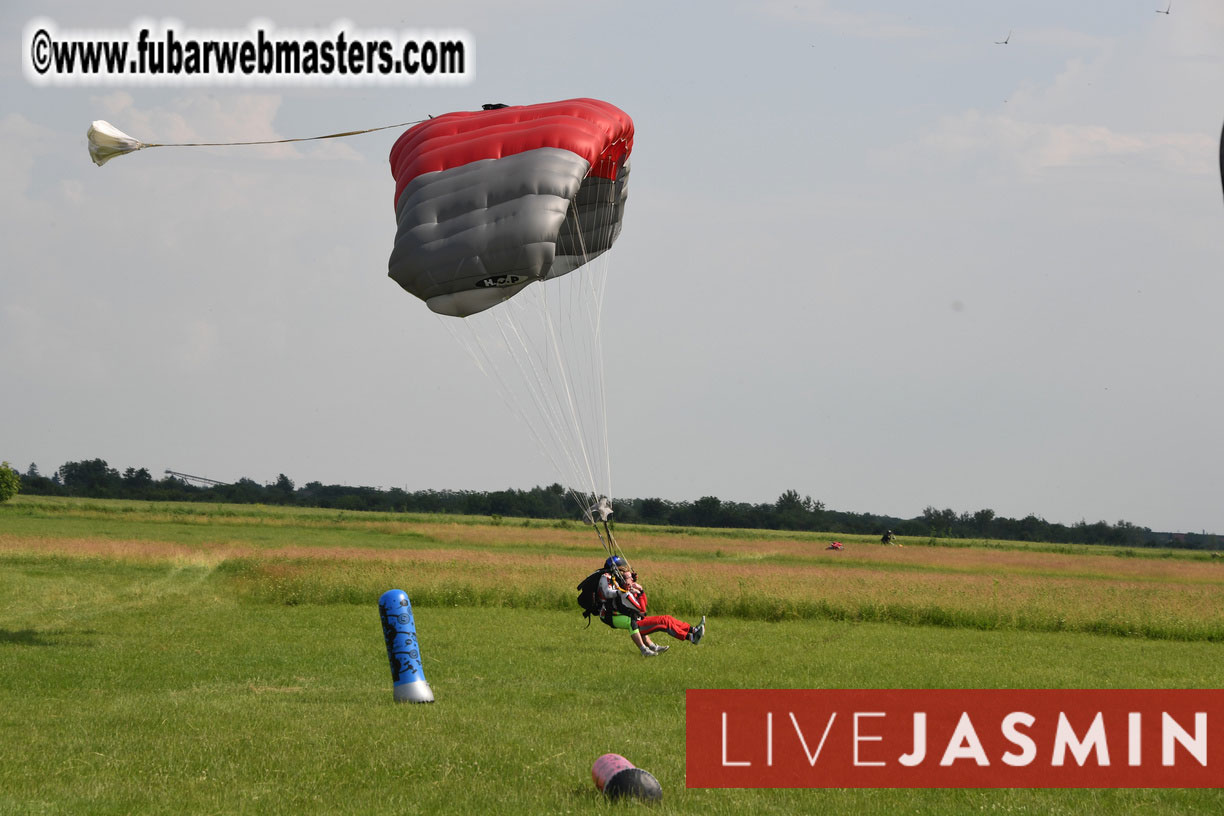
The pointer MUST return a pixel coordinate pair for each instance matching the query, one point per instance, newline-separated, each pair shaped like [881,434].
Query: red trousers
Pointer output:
[664,623]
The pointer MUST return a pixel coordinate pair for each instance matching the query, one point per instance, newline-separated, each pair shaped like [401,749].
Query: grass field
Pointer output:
[228,659]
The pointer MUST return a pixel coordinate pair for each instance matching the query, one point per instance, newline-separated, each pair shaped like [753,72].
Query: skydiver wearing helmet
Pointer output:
[624,607]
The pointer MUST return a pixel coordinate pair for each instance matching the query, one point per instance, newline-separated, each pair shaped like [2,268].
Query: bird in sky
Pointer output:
[1166,9]
[1008,38]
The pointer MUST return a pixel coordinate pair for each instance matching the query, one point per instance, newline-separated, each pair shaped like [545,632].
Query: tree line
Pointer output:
[94,478]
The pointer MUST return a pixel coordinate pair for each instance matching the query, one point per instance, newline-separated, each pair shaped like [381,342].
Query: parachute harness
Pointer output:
[598,514]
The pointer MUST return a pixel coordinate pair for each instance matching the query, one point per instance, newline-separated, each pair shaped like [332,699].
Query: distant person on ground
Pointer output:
[623,606]
[889,538]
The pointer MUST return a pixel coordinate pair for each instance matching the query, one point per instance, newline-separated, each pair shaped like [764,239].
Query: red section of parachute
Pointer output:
[597,131]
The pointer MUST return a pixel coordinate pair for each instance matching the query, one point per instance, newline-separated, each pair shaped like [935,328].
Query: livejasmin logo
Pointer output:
[890,738]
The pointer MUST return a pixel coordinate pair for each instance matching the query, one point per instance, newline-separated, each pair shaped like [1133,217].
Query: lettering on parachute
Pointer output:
[499,281]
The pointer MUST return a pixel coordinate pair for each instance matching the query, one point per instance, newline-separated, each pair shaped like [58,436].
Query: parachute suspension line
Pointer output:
[586,299]
[611,547]
[566,382]
[607,539]
[553,381]
[479,351]
[106,141]
[552,330]
[590,306]
[599,284]
[502,333]
[584,388]
[285,141]
[551,412]
[474,342]
[566,214]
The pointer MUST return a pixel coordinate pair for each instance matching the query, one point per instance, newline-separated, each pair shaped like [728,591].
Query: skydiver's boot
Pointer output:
[697,632]
[648,652]
[660,648]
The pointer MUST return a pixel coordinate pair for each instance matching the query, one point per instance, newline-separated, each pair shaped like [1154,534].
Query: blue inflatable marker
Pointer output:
[403,650]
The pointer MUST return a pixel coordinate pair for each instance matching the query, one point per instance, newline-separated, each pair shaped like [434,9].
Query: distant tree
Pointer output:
[137,480]
[789,502]
[243,491]
[791,511]
[10,482]
[654,511]
[474,504]
[550,502]
[501,503]
[940,523]
[92,477]
[795,513]
[427,501]
[1126,533]
[282,491]
[1032,528]
[706,511]
[35,484]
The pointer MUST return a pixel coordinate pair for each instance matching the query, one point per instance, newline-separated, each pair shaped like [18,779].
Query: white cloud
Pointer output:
[331,150]
[1121,103]
[1032,147]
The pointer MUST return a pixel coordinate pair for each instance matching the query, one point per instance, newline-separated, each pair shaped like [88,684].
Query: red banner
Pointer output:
[974,738]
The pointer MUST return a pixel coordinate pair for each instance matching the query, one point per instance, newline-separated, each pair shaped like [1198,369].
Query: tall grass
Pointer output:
[294,556]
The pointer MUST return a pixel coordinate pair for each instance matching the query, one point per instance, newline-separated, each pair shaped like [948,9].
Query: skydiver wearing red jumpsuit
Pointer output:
[624,607]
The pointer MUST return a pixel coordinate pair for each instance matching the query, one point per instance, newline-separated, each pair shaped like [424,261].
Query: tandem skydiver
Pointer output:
[620,602]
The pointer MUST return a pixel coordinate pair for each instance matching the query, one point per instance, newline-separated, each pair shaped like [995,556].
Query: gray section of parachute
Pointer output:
[473,236]
[594,221]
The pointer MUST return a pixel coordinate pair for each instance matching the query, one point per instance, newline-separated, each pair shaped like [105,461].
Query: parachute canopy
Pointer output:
[490,201]
[505,216]
[107,141]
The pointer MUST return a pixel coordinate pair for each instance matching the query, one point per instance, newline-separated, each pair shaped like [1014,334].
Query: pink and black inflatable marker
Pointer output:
[616,776]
